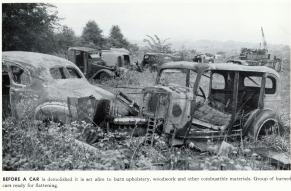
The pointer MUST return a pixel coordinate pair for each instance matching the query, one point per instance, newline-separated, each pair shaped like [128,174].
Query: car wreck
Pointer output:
[155,60]
[189,101]
[42,87]
[204,58]
[99,64]
[199,101]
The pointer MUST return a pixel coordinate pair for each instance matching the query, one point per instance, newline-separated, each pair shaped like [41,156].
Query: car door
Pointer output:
[20,91]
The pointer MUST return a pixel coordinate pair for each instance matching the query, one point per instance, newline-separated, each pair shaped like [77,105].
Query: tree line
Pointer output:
[35,27]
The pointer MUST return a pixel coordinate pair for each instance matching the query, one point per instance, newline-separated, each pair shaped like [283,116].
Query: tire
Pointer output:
[266,123]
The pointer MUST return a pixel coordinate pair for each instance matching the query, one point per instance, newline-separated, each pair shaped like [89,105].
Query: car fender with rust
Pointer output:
[108,72]
[260,118]
[250,120]
[52,111]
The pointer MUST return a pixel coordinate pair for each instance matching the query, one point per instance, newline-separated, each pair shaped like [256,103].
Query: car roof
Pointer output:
[34,59]
[218,66]
[117,51]
[84,49]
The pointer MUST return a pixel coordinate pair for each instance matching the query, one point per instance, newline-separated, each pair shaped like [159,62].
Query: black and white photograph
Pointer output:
[193,86]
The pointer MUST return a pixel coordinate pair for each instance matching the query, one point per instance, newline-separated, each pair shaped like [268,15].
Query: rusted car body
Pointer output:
[39,85]
[155,60]
[116,57]
[259,57]
[99,64]
[199,101]
[204,58]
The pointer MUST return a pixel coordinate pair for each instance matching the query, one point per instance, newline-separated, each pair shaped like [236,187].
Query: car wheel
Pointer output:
[266,124]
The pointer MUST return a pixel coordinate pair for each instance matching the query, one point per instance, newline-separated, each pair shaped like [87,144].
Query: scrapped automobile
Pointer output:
[116,57]
[99,64]
[42,86]
[204,58]
[155,60]
[199,101]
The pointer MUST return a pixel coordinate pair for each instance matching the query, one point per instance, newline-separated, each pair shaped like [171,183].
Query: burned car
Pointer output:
[99,64]
[39,86]
[155,60]
[204,58]
[198,101]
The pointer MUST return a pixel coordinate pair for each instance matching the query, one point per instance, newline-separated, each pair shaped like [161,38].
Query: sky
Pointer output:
[218,20]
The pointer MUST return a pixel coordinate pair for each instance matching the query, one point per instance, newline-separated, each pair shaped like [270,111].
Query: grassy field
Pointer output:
[34,146]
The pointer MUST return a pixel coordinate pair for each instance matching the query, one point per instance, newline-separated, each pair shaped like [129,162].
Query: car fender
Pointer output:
[55,111]
[110,73]
[253,115]
[259,119]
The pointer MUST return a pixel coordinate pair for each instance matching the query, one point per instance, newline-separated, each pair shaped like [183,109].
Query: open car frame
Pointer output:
[194,101]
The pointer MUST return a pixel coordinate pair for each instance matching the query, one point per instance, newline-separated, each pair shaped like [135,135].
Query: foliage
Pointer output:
[35,146]
[28,26]
[116,38]
[156,44]
[35,27]
[31,145]
[65,38]
[186,54]
[130,78]
[133,49]
[92,35]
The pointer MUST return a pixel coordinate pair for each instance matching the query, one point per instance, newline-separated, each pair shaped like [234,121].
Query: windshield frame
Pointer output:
[187,82]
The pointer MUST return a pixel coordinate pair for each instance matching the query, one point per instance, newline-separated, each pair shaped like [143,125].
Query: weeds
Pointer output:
[29,145]
[33,146]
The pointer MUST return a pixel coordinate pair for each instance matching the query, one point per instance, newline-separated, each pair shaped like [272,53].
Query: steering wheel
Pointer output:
[202,94]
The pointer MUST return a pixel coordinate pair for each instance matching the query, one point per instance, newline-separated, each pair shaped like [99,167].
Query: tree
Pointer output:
[116,38]
[133,49]
[155,44]
[65,38]
[28,26]
[92,35]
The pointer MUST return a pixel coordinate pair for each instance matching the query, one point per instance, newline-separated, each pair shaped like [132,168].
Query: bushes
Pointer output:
[131,78]
[34,146]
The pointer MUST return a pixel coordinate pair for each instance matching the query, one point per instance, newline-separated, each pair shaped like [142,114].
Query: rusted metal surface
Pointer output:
[243,109]
[219,66]
[43,95]
[37,61]
[100,64]
[278,159]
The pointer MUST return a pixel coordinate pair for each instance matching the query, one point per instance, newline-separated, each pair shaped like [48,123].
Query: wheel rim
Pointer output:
[269,127]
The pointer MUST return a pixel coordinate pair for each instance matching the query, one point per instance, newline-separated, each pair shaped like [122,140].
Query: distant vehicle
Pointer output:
[154,60]
[116,57]
[98,64]
[204,58]
[39,85]
[260,56]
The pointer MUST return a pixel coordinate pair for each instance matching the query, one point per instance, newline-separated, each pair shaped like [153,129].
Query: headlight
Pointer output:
[176,111]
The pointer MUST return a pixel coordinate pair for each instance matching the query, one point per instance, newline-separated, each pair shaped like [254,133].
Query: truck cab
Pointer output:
[92,63]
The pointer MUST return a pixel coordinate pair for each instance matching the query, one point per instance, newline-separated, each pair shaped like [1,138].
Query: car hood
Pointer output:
[62,89]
